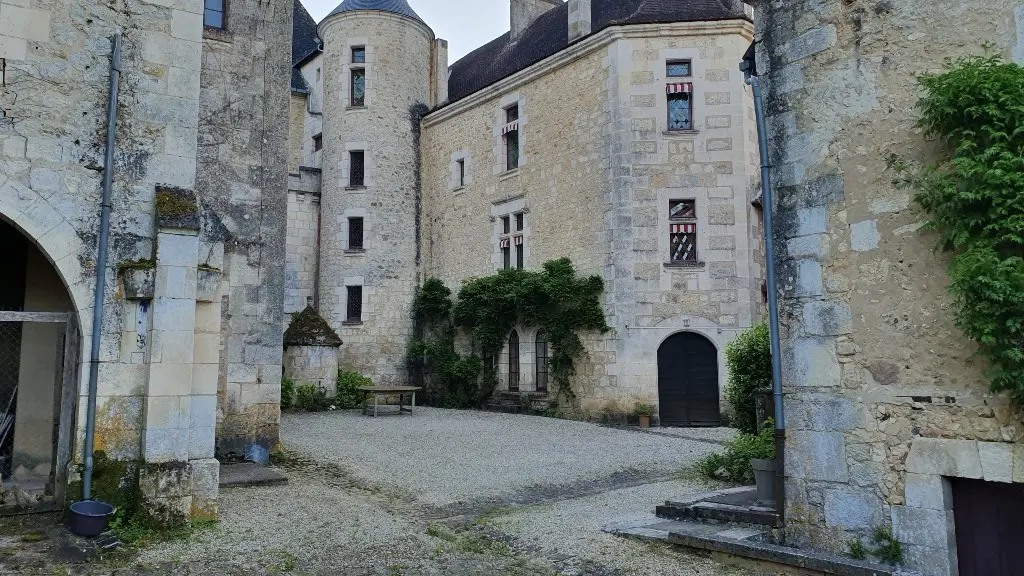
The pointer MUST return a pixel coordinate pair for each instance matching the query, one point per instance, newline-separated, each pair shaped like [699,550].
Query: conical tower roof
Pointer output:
[395,6]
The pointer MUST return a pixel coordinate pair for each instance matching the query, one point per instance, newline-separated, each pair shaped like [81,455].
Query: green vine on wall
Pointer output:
[975,201]
[554,300]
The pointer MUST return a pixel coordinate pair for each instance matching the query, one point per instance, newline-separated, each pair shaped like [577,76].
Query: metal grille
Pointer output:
[684,247]
[355,304]
[355,233]
[357,175]
[10,370]
[678,68]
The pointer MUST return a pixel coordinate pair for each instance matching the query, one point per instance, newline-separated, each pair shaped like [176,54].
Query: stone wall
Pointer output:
[596,153]
[875,371]
[302,249]
[398,79]
[243,171]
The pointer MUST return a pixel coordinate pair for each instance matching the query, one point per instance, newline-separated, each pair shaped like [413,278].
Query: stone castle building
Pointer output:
[247,186]
[618,134]
[890,420]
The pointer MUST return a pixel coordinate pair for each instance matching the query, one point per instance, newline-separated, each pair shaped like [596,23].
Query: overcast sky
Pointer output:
[465,24]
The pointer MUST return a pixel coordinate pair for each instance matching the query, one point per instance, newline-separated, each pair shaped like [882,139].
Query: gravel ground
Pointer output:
[716,435]
[390,497]
[573,528]
[448,457]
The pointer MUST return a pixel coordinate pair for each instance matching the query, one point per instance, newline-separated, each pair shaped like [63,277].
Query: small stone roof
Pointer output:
[396,6]
[549,34]
[309,329]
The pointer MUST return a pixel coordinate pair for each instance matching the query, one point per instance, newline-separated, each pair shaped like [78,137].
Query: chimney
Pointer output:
[579,19]
[524,12]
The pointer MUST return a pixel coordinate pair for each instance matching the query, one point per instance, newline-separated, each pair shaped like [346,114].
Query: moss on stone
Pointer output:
[148,264]
[115,482]
[309,329]
[176,208]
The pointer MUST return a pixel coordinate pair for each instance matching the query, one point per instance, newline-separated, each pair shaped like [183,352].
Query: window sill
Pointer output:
[459,189]
[508,174]
[355,252]
[363,107]
[692,265]
[352,323]
[681,133]
[219,34]
[355,188]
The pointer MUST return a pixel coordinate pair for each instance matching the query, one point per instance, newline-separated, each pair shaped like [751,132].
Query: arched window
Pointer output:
[543,362]
[513,361]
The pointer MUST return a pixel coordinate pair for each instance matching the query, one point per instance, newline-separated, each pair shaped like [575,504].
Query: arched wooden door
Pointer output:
[688,381]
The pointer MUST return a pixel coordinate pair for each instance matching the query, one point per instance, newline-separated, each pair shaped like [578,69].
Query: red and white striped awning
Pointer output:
[683,228]
[519,240]
[504,243]
[680,88]
[511,126]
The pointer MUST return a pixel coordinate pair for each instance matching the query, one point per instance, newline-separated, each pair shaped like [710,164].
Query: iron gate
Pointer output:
[39,357]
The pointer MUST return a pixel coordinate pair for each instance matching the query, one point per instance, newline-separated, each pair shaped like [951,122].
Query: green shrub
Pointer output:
[749,358]
[310,398]
[287,393]
[347,394]
[641,409]
[734,464]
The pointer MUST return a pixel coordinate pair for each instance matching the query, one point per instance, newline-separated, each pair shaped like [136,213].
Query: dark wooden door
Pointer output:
[688,381]
[989,519]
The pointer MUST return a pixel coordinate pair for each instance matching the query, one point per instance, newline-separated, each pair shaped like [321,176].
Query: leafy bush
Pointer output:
[734,464]
[641,409]
[287,393]
[975,200]
[310,398]
[347,394]
[749,358]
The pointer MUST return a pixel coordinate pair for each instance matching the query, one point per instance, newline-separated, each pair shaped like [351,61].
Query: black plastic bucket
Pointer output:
[89,518]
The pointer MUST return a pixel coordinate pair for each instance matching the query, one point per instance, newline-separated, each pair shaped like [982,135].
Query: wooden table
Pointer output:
[400,391]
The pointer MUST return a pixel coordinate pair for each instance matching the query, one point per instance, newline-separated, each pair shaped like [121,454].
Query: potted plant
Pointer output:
[644,412]
[762,461]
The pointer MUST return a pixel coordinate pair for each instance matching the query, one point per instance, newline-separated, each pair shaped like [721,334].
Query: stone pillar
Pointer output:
[580,21]
[179,419]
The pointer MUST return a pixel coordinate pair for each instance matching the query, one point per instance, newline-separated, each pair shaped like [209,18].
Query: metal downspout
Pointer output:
[101,268]
[773,298]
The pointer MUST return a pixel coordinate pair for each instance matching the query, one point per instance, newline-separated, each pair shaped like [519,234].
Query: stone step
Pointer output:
[745,541]
[714,511]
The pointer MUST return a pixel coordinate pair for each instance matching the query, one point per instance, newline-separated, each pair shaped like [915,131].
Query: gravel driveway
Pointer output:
[451,459]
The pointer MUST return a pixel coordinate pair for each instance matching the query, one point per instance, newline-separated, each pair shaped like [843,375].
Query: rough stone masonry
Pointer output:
[885,402]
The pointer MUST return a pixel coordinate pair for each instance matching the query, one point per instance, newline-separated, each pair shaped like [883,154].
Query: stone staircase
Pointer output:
[519,402]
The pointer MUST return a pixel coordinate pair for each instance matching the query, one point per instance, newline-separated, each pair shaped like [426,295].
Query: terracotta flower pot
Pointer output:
[645,421]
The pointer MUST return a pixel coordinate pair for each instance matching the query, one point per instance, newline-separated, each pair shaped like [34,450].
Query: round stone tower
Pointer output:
[380,65]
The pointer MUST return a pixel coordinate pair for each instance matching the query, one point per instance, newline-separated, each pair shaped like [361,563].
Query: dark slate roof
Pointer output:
[396,6]
[549,34]
[309,329]
[304,43]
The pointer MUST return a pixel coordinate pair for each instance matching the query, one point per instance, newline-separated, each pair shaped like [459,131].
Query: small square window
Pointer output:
[679,69]
[358,54]
[357,168]
[354,308]
[358,87]
[213,14]
[318,142]
[355,233]
[460,166]
[682,209]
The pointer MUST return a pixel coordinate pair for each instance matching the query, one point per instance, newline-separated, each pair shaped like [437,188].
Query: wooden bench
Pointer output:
[377,391]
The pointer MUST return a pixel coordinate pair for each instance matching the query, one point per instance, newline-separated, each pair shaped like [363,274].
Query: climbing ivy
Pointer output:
[554,300]
[975,200]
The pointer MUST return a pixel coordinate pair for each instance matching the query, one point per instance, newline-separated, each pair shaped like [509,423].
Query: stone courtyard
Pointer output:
[443,492]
